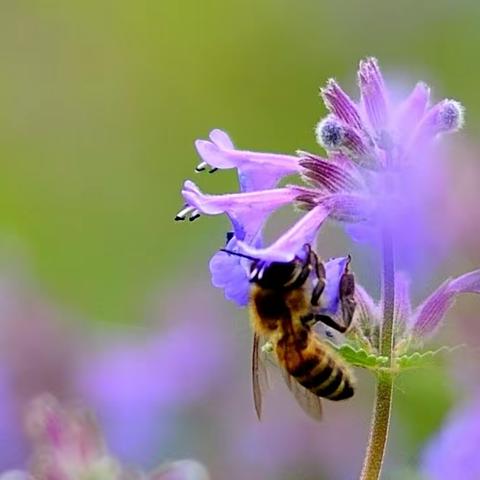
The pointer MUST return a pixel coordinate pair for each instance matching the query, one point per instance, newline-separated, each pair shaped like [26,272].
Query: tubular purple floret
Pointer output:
[373,93]
[340,104]
[292,242]
[330,176]
[257,170]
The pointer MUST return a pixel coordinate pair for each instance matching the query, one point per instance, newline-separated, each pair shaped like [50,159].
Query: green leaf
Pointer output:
[422,359]
[360,357]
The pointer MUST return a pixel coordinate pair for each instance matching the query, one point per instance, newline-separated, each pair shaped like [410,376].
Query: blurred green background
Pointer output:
[102,101]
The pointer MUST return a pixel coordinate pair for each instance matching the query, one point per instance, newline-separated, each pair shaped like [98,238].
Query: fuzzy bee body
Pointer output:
[279,315]
[285,303]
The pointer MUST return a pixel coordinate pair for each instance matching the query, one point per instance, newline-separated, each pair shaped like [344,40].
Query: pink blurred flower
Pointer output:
[67,445]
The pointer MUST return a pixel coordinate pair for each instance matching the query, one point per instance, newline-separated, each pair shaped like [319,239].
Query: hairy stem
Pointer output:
[372,465]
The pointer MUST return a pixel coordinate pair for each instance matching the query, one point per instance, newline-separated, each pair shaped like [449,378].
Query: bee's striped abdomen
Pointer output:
[324,376]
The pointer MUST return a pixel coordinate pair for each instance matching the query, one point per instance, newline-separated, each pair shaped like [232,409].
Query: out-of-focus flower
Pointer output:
[181,470]
[453,452]
[158,377]
[67,445]
[37,353]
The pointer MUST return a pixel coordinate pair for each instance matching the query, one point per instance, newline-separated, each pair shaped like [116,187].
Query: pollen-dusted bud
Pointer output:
[445,117]
[450,116]
[336,136]
[330,134]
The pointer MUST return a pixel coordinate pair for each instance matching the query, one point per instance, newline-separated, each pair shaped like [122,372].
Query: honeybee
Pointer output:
[284,306]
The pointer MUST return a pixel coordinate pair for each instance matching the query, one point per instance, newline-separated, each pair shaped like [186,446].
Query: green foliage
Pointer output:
[422,359]
[359,357]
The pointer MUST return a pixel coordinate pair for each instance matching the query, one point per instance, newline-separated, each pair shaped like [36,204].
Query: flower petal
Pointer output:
[221,138]
[340,104]
[257,171]
[343,207]
[334,270]
[229,272]
[247,211]
[373,94]
[367,319]
[411,110]
[291,243]
[329,175]
[429,315]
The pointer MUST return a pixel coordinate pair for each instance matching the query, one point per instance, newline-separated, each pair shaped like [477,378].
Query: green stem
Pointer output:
[372,465]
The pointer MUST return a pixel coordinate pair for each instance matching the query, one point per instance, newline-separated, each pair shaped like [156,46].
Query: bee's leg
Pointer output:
[347,295]
[320,274]
[330,322]
[347,303]
[309,320]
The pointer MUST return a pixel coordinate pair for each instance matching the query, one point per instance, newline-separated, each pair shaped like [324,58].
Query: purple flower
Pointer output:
[413,325]
[256,171]
[453,452]
[291,243]
[158,377]
[374,175]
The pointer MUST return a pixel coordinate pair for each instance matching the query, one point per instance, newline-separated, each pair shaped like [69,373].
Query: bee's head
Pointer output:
[276,275]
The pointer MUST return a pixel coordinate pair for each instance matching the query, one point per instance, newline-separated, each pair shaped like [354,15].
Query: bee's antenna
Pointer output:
[231,252]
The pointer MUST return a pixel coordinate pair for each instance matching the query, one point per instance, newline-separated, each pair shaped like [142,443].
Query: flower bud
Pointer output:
[338,137]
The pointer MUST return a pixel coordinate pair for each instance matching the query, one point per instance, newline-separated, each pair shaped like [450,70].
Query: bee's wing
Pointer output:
[259,375]
[308,401]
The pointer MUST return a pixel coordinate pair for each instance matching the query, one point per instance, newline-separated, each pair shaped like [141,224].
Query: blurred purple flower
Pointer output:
[37,353]
[453,452]
[67,445]
[155,378]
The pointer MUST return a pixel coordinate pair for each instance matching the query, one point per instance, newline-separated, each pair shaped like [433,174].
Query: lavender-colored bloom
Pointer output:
[291,243]
[247,210]
[256,171]
[453,452]
[372,176]
[230,273]
[157,378]
[428,316]
[413,326]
